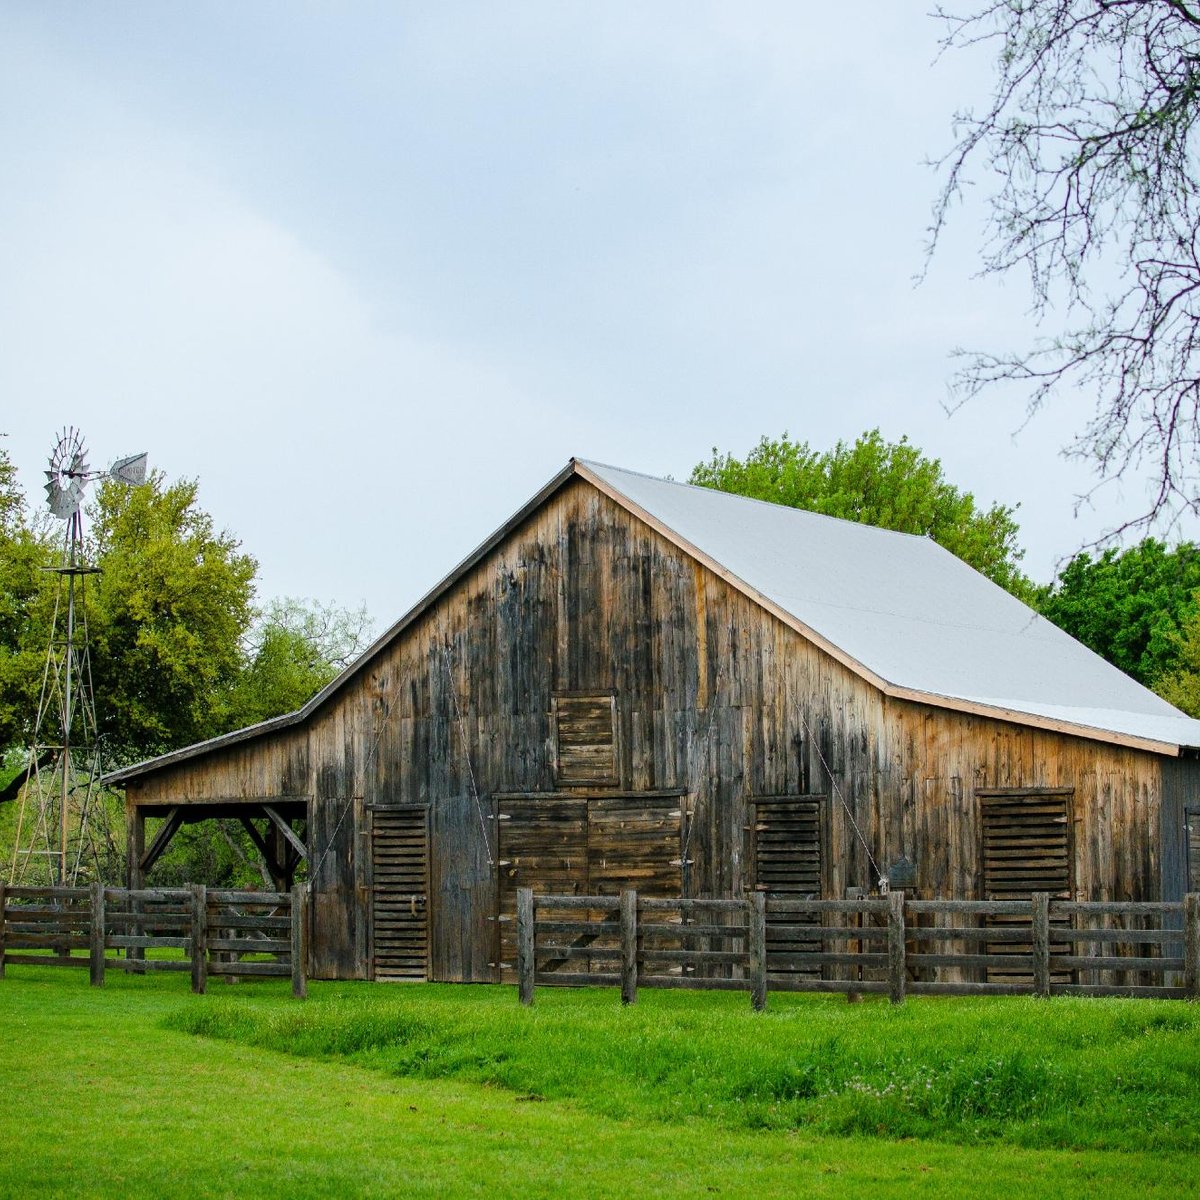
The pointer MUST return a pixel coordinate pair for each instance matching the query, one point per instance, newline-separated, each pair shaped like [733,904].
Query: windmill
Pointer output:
[62,826]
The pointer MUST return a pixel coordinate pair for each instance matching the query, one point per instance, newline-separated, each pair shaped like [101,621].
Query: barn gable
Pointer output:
[592,697]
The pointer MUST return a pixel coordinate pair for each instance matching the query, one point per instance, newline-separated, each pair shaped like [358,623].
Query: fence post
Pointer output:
[756,916]
[199,938]
[1191,944]
[525,948]
[853,973]
[96,946]
[629,964]
[895,928]
[300,941]
[3,918]
[1041,943]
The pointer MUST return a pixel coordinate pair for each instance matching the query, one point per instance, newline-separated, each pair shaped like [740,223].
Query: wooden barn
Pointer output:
[637,683]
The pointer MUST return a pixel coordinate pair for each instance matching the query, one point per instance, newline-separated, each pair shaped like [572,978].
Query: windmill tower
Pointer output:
[62,825]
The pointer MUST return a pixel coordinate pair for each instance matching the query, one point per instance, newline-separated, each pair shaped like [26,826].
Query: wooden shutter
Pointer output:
[1027,848]
[788,854]
[399,893]
[1026,843]
[585,741]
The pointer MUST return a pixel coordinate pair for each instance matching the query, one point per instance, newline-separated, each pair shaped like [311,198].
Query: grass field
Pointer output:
[449,1091]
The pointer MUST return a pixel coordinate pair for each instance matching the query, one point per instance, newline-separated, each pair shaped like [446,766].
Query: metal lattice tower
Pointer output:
[63,831]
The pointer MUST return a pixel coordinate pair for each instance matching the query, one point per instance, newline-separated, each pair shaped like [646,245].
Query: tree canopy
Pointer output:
[25,600]
[1088,153]
[296,647]
[890,484]
[169,610]
[1131,606]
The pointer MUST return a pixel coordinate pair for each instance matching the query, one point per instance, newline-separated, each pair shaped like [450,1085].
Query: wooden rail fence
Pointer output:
[224,933]
[886,944]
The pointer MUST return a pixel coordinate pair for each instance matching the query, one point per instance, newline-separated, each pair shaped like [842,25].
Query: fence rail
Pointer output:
[209,932]
[887,944]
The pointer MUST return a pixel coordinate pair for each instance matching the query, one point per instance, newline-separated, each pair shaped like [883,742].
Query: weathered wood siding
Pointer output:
[713,697]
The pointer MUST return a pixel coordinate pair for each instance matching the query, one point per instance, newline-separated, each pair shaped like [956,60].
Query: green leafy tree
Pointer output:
[1130,606]
[295,649]
[890,484]
[26,599]
[1181,685]
[167,616]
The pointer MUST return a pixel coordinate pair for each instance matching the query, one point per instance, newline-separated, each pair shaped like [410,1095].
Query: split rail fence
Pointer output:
[206,932]
[886,944]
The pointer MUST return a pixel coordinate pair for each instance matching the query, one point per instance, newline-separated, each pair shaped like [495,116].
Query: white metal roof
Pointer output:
[910,613]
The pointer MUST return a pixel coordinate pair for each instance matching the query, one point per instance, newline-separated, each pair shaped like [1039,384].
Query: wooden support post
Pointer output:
[525,945]
[1041,943]
[135,849]
[1191,944]
[3,918]
[300,941]
[756,920]
[895,943]
[96,945]
[199,938]
[629,940]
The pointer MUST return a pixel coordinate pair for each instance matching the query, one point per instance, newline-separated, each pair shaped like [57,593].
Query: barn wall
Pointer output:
[714,697]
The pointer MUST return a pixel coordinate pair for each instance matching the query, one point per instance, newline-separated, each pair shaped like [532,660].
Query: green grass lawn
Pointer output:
[448,1091]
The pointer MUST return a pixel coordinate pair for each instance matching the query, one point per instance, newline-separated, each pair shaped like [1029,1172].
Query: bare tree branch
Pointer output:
[1091,133]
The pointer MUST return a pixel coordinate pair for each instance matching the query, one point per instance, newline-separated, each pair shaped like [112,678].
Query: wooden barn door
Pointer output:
[585,845]
[543,845]
[1026,848]
[400,893]
[787,850]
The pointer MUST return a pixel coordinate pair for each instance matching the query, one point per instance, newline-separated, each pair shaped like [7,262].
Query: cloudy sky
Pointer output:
[374,272]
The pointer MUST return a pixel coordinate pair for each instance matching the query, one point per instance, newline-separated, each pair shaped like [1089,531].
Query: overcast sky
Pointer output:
[374,272]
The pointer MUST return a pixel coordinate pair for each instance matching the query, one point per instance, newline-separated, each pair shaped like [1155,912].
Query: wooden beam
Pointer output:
[163,840]
[287,831]
[263,848]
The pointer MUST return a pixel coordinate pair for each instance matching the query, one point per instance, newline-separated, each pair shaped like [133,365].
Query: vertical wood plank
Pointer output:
[629,923]
[1041,943]
[300,941]
[96,946]
[525,948]
[757,922]
[895,943]
[135,847]
[1191,944]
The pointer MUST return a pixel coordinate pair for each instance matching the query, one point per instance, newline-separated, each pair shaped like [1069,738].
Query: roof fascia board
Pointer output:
[1018,717]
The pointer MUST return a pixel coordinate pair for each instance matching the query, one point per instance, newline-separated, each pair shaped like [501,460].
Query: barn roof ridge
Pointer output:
[699,487]
[760,571]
